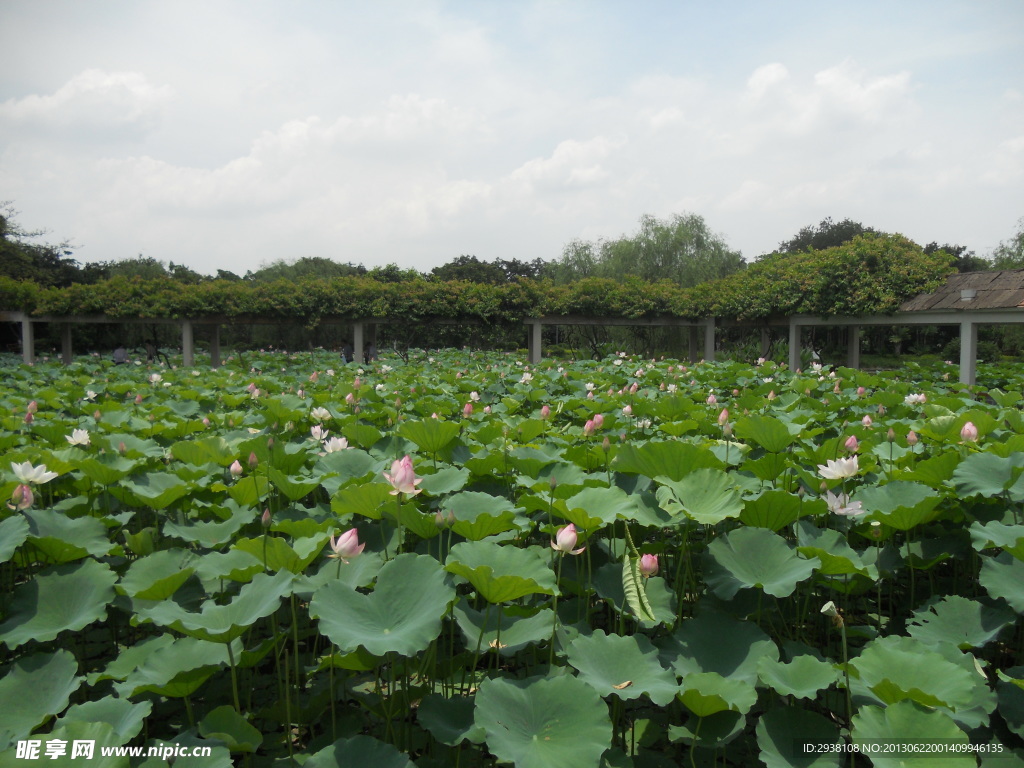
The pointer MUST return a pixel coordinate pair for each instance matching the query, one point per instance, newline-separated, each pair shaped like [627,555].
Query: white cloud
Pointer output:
[573,163]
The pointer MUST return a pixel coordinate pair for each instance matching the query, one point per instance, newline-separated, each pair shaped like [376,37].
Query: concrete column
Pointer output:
[188,351]
[215,346]
[853,347]
[709,339]
[66,354]
[534,344]
[357,343]
[968,352]
[794,345]
[28,342]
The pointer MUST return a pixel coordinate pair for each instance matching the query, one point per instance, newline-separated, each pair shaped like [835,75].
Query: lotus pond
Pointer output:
[459,559]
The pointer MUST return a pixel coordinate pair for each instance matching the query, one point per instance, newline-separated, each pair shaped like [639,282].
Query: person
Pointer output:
[120,355]
[347,353]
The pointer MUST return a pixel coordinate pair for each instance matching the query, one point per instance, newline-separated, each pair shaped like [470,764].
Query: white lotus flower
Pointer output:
[915,399]
[335,444]
[841,505]
[78,437]
[320,414]
[27,474]
[840,469]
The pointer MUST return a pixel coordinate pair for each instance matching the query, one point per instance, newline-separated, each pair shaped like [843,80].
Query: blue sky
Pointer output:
[225,135]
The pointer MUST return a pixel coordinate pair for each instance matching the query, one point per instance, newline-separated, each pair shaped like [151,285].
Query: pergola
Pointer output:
[966,300]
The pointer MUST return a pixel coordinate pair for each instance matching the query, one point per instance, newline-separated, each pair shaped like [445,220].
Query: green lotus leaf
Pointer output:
[517,630]
[33,689]
[13,533]
[450,720]
[367,499]
[995,534]
[282,556]
[176,669]
[225,724]
[156,490]
[706,495]
[1001,576]
[900,504]
[235,565]
[609,583]
[157,576]
[986,474]
[294,487]
[708,693]
[531,461]
[596,507]
[207,450]
[902,668]
[212,534]
[223,623]
[755,557]
[803,677]
[445,480]
[625,667]
[62,539]
[775,509]
[61,598]
[98,735]
[556,722]
[831,548]
[478,515]
[1010,693]
[402,614]
[107,468]
[502,573]
[768,432]
[247,491]
[962,622]
[909,723]
[362,435]
[338,468]
[430,435]
[714,642]
[781,730]
[124,716]
[671,459]
[358,752]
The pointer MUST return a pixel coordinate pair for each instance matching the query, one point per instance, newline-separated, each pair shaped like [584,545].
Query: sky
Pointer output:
[228,134]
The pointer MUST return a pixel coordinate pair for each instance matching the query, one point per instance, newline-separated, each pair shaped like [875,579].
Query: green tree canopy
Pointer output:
[21,259]
[307,266]
[1009,254]
[682,249]
[827,234]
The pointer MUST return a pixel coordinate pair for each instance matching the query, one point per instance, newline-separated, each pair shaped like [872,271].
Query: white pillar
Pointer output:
[533,344]
[65,343]
[357,343]
[853,347]
[794,345]
[709,339]
[968,352]
[28,342]
[188,352]
[215,346]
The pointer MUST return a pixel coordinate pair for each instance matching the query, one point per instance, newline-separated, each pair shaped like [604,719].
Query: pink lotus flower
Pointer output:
[598,421]
[32,407]
[588,428]
[627,411]
[723,417]
[346,546]
[866,421]
[969,433]
[545,412]
[402,478]
[648,565]
[712,399]
[851,444]
[21,498]
[235,469]
[912,438]
[565,540]
[467,410]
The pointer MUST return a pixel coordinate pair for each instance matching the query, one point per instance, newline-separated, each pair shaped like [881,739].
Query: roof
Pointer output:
[994,289]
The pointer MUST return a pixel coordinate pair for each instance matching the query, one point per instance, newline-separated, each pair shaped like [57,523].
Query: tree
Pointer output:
[965,260]
[469,268]
[307,266]
[44,263]
[827,234]
[1009,254]
[681,249]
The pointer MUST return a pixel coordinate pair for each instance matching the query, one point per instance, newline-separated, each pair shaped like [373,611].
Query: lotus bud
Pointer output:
[487,409]
[235,469]
[890,435]
[398,403]
[545,412]
[606,444]
[969,433]
[138,399]
[771,395]
[912,438]
[350,398]
[565,540]
[467,410]
[723,417]
[881,410]
[860,391]
[851,444]
[32,407]
[627,411]
[122,448]
[866,421]
[253,461]
[265,518]
[21,498]
[588,428]
[314,377]
[727,430]
[206,421]
[648,566]
[598,421]
[29,418]
[633,389]
[712,399]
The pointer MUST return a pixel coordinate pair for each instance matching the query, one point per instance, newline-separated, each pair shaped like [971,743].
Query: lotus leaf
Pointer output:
[625,667]
[755,557]
[502,573]
[393,617]
[33,689]
[556,722]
